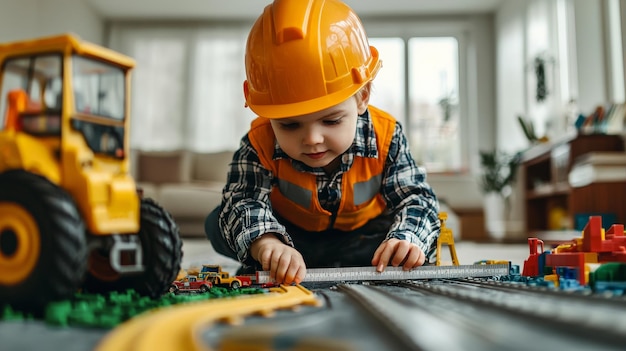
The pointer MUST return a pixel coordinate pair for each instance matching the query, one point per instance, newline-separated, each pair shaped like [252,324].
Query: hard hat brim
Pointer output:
[278,111]
[304,107]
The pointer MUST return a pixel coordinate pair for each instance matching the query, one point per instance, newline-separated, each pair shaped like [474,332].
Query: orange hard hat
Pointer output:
[303,56]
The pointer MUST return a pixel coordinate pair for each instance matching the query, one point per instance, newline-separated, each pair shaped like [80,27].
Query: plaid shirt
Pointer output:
[246,212]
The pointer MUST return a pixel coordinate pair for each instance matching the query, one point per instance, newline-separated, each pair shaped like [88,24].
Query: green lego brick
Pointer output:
[109,310]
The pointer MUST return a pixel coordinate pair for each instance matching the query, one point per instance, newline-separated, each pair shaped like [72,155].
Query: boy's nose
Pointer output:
[312,136]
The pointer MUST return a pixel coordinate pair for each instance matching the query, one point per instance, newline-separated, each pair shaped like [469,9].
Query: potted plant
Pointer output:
[499,171]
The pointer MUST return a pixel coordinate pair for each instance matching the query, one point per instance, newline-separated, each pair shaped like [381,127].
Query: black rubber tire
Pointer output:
[235,285]
[173,288]
[204,288]
[162,255]
[62,260]
[162,250]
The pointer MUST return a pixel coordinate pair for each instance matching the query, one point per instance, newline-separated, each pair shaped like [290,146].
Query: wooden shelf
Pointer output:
[549,190]
[556,237]
[551,204]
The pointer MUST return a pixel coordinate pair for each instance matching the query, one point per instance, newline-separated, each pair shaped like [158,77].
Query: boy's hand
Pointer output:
[285,263]
[398,252]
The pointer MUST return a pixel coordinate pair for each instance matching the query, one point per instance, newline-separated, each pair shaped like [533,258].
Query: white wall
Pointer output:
[24,19]
[510,65]
[590,54]
[482,88]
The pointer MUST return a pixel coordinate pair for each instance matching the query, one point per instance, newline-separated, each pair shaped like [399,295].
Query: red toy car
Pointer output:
[191,284]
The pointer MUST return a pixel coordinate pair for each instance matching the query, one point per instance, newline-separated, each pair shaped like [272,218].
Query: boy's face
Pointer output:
[320,137]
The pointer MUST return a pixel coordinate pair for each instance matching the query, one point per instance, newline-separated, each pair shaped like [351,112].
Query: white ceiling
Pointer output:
[250,9]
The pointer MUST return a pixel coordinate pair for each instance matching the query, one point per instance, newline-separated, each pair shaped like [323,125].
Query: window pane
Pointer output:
[158,93]
[218,116]
[433,93]
[389,84]
[15,78]
[39,78]
[99,88]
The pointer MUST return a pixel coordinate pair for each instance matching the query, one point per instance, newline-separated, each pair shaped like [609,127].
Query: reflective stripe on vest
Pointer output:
[363,191]
[294,192]
[295,196]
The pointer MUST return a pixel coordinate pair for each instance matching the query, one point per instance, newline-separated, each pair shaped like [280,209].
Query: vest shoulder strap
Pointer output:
[384,127]
[262,139]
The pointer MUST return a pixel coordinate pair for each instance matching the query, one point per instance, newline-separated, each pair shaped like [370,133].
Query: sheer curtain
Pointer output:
[187,86]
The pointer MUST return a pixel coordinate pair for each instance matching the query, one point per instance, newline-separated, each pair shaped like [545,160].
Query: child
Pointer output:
[321,179]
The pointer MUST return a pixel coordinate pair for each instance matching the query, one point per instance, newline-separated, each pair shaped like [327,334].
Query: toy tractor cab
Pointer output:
[70,214]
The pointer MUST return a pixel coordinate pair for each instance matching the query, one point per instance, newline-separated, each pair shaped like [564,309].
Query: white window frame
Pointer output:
[459,30]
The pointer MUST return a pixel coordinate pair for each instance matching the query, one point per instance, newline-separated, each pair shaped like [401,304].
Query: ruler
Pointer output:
[395,273]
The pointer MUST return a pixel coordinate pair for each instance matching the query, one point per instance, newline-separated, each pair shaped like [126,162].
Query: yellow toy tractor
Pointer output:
[71,217]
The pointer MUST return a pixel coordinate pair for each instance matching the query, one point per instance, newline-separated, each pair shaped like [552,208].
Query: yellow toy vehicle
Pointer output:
[215,274]
[70,214]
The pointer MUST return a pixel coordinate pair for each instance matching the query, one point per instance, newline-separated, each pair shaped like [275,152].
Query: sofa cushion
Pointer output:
[211,166]
[160,167]
[190,200]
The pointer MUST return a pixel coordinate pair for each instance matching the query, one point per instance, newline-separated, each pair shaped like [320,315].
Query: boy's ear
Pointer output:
[363,98]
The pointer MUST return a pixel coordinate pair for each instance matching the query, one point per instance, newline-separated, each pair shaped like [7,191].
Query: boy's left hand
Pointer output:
[398,252]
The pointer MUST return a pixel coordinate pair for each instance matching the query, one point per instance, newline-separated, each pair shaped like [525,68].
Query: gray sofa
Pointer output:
[187,184]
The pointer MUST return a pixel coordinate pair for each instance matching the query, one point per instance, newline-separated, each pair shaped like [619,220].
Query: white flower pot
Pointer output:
[495,216]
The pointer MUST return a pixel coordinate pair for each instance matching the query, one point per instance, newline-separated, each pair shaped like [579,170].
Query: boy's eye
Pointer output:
[332,122]
[289,126]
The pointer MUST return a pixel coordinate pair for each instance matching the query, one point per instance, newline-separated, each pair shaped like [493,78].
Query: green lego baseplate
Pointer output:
[109,310]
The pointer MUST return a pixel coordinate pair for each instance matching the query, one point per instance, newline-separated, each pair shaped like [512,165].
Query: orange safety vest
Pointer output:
[295,196]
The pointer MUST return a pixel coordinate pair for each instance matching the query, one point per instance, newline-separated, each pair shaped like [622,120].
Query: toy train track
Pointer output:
[178,328]
[591,318]
[442,315]
[345,274]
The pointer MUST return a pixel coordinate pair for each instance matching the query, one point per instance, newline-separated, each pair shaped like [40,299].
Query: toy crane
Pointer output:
[446,237]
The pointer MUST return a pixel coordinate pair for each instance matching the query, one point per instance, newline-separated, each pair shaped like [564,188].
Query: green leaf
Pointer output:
[499,170]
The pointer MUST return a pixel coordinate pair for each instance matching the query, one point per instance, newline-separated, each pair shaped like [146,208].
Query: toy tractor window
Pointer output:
[99,91]
[99,88]
[37,80]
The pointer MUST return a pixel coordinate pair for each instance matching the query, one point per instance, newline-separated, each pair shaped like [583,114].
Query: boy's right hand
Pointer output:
[284,263]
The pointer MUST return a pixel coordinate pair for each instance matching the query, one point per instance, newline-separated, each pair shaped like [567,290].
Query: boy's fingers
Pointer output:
[265,259]
[385,256]
[377,253]
[400,255]
[412,259]
[422,258]
[273,261]
[300,274]
[281,270]
[297,269]
[292,272]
